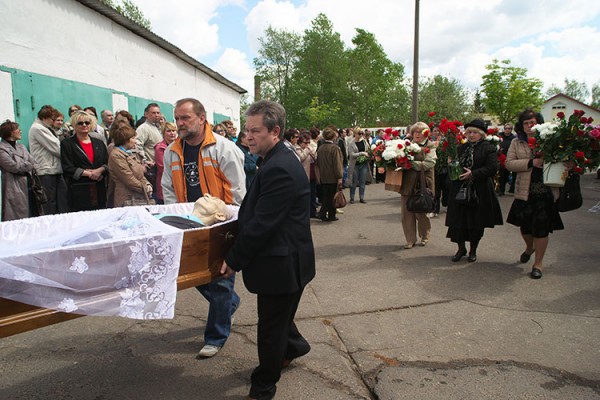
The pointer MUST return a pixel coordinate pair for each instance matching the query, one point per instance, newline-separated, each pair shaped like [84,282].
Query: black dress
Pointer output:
[538,216]
[468,223]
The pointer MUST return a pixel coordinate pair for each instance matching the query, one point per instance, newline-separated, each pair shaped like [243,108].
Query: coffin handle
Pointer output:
[229,236]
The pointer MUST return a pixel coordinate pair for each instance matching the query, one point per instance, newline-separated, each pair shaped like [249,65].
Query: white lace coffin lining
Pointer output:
[117,262]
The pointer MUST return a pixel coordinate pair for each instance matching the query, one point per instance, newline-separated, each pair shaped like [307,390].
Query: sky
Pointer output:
[552,39]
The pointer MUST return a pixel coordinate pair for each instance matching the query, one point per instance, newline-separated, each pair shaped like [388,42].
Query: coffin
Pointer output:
[202,253]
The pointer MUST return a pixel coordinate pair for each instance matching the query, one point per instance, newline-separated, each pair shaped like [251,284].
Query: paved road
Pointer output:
[384,323]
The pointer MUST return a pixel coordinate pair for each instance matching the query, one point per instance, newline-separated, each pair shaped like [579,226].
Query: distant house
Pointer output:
[563,103]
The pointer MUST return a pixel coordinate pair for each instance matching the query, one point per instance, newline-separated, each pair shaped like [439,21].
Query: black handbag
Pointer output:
[37,190]
[422,201]
[570,195]
[467,195]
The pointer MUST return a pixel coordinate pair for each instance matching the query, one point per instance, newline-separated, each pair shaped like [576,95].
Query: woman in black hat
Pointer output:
[466,222]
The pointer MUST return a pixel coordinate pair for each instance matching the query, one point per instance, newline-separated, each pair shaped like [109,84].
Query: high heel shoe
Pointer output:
[459,254]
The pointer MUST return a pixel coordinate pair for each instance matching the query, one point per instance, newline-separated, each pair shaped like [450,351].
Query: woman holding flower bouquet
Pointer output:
[358,167]
[533,209]
[424,160]
[467,220]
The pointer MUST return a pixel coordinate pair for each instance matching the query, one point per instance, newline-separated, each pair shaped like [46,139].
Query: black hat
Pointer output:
[477,123]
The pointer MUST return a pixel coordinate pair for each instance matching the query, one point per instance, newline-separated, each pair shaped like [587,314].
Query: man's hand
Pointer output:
[226,270]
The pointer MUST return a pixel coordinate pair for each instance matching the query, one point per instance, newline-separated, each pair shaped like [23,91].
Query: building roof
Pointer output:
[139,30]
[572,99]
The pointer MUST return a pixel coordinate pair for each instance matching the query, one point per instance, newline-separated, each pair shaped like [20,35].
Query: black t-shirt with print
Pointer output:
[192,171]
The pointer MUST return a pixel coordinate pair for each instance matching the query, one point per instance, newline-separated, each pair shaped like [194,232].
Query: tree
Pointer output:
[275,64]
[508,90]
[445,96]
[596,95]
[131,11]
[320,72]
[319,114]
[371,75]
[573,88]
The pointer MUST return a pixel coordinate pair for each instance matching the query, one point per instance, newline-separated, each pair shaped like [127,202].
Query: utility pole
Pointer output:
[415,93]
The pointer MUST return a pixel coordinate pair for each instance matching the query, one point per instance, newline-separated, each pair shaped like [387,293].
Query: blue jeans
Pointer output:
[359,176]
[223,303]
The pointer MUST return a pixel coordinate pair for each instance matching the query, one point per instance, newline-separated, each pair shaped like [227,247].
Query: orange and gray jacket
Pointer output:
[220,167]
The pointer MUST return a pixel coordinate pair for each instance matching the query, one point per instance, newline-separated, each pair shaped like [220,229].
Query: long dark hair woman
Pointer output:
[466,222]
[533,210]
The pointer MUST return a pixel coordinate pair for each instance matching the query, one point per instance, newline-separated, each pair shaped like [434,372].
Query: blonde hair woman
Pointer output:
[424,161]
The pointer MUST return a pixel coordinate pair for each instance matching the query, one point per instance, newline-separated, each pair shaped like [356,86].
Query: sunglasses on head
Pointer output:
[219,131]
[84,123]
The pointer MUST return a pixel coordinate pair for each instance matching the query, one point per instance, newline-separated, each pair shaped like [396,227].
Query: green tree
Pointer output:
[128,9]
[572,88]
[508,90]
[445,96]
[277,57]
[596,95]
[320,72]
[319,114]
[370,78]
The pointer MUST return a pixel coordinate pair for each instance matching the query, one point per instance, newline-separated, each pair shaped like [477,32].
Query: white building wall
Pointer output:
[65,39]
[570,105]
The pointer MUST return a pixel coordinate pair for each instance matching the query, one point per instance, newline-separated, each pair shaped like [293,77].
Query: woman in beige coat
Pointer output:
[424,161]
[126,169]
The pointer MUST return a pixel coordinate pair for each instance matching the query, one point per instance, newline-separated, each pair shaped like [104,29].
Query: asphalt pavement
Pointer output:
[383,322]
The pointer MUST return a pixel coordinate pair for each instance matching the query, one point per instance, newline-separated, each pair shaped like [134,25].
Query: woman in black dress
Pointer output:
[479,160]
[533,209]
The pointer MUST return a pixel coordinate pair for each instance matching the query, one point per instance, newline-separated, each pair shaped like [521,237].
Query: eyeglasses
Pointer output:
[294,137]
[84,123]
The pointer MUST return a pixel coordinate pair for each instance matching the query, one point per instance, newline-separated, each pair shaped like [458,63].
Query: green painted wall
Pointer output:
[217,118]
[31,91]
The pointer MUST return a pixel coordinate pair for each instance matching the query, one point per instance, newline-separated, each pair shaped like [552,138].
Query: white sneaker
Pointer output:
[208,351]
[339,211]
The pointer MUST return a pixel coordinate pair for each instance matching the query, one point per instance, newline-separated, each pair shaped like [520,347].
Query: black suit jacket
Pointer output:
[274,247]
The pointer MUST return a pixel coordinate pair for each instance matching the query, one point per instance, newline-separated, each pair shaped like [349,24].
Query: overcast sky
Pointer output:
[553,39]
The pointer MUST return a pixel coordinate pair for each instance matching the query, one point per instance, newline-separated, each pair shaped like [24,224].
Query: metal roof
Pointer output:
[139,30]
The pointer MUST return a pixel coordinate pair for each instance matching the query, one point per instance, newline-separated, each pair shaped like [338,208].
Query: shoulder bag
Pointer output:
[467,196]
[570,195]
[422,201]
[37,190]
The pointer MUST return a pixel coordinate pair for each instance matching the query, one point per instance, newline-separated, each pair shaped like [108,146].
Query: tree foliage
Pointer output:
[445,96]
[277,58]
[508,90]
[572,88]
[128,9]
[596,95]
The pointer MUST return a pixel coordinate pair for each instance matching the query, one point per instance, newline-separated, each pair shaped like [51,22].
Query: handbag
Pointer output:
[37,190]
[146,201]
[467,195]
[570,195]
[422,201]
[339,199]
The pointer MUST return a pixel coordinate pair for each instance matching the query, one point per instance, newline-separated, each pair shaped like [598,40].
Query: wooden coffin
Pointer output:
[202,254]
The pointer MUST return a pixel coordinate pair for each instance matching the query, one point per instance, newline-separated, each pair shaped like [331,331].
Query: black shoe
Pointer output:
[472,256]
[459,254]
[536,273]
[333,219]
[525,257]
[351,201]
[362,201]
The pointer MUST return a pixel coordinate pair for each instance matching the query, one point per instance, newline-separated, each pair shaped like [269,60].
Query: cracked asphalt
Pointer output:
[383,322]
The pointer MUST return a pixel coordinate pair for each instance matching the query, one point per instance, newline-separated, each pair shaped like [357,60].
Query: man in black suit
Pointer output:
[274,247]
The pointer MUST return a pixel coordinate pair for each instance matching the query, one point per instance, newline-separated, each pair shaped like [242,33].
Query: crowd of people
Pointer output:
[280,179]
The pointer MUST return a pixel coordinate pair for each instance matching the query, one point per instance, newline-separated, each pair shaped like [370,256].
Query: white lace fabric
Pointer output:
[116,262]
